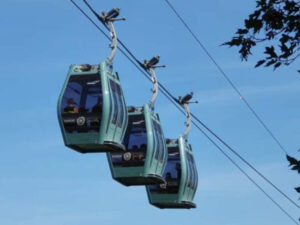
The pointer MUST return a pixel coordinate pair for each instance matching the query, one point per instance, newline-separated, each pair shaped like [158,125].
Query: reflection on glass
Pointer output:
[158,145]
[162,141]
[190,170]
[121,105]
[81,105]
[115,98]
[172,174]
[135,141]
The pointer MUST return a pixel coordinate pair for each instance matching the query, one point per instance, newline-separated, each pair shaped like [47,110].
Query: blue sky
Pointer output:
[43,182]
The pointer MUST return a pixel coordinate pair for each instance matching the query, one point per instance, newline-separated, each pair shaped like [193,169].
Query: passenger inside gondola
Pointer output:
[135,141]
[82,104]
[98,107]
[172,174]
[70,108]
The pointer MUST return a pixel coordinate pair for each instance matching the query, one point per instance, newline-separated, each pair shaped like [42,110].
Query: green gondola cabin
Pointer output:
[180,176]
[91,110]
[145,157]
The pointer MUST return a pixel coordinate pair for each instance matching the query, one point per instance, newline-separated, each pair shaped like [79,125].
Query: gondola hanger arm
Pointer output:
[185,101]
[108,18]
[150,66]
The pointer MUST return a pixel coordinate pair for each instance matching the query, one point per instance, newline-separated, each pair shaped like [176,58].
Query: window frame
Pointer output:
[83,109]
[121,105]
[115,102]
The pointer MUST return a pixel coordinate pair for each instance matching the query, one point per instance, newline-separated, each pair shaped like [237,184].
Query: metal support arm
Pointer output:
[108,19]
[113,46]
[150,66]
[154,89]
[185,101]
[188,121]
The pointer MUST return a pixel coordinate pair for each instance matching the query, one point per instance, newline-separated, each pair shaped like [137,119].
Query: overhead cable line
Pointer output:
[247,175]
[162,88]
[227,78]
[234,163]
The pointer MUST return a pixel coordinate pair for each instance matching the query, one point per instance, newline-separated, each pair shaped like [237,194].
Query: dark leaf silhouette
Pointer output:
[277,24]
[292,160]
[270,62]
[296,168]
[242,31]
[295,165]
[260,62]
[272,21]
[277,65]
[271,52]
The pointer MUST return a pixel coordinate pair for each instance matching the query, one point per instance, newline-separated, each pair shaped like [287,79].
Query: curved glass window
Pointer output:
[172,174]
[195,173]
[110,109]
[121,105]
[158,139]
[71,98]
[124,111]
[162,143]
[115,98]
[135,141]
[81,105]
[154,143]
[190,180]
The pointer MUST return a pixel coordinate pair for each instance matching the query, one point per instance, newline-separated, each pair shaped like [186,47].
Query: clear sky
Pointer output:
[44,183]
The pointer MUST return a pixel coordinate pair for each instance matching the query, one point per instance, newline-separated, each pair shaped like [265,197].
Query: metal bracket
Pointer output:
[108,19]
[185,101]
[150,66]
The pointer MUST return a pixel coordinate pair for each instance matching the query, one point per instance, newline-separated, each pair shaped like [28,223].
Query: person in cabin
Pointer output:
[70,108]
[98,107]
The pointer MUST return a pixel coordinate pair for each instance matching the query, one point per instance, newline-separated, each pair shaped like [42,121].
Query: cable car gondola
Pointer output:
[180,173]
[91,108]
[145,157]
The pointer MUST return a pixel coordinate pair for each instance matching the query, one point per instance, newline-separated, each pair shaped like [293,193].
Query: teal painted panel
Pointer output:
[152,168]
[183,197]
[105,140]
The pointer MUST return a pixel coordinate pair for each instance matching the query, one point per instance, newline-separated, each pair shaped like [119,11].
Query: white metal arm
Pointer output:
[150,66]
[185,101]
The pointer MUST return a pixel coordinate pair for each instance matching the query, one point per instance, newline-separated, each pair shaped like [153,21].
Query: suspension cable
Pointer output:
[247,175]
[227,78]
[172,99]
[241,97]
